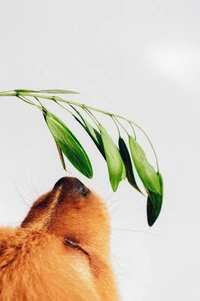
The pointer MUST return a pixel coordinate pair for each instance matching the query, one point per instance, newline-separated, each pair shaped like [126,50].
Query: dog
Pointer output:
[61,251]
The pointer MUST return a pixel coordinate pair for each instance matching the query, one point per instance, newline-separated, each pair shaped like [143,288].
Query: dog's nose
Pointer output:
[72,185]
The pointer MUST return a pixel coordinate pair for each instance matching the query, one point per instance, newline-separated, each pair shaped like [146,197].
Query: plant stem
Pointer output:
[22,95]
[115,122]
[64,107]
[29,102]
[148,141]
[8,94]
[114,116]
[92,117]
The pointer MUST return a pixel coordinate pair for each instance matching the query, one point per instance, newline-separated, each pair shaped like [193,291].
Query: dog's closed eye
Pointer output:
[75,245]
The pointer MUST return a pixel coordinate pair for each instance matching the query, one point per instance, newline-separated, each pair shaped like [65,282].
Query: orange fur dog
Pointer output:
[61,251]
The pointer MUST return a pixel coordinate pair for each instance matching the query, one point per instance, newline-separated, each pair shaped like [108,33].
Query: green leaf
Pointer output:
[127,162]
[92,132]
[113,158]
[56,91]
[145,171]
[96,137]
[61,156]
[68,144]
[51,91]
[25,90]
[154,203]
[123,177]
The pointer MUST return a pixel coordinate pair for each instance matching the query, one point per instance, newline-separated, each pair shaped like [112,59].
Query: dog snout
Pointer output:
[72,185]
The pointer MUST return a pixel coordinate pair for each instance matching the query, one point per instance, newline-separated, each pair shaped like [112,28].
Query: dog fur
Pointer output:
[61,251]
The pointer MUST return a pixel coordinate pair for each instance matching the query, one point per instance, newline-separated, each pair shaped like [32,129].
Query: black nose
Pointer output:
[72,185]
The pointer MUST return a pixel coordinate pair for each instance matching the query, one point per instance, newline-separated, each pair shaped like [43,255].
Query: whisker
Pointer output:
[109,198]
[21,197]
[139,231]
[120,259]
[112,203]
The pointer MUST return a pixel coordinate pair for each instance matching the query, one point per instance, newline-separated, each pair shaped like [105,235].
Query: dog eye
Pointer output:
[75,245]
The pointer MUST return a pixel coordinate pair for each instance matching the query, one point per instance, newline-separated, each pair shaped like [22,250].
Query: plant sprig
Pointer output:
[123,160]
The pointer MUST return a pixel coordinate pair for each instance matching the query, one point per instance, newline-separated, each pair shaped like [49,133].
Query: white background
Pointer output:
[139,59]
